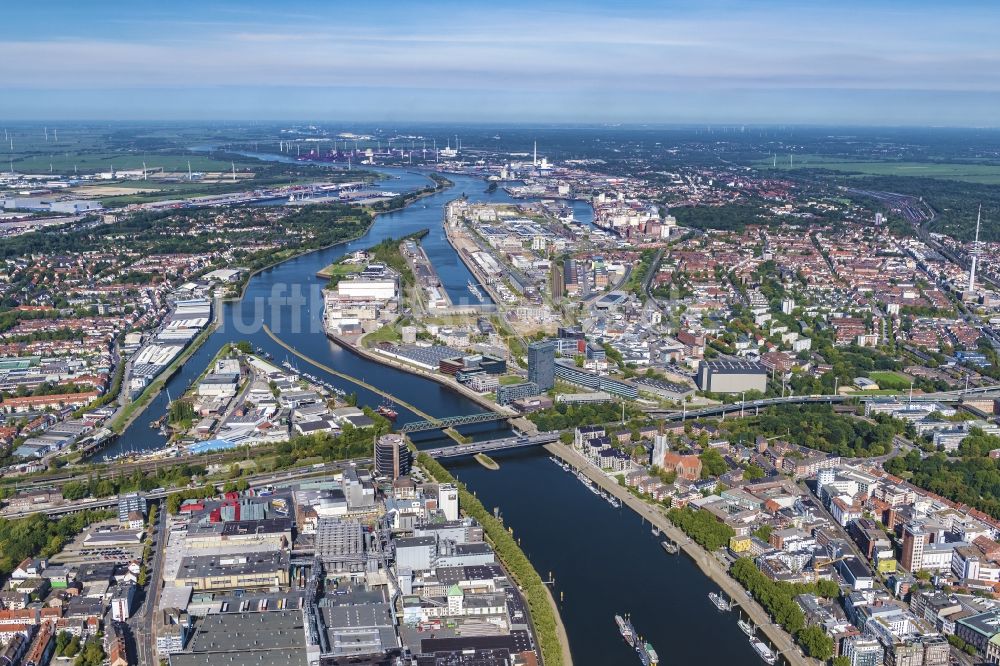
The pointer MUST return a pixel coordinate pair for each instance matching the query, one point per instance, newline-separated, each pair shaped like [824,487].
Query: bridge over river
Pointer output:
[489,446]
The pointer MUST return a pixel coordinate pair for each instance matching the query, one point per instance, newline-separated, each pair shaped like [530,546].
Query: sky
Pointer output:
[850,62]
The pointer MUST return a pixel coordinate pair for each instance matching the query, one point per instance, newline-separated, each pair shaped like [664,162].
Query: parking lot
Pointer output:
[78,551]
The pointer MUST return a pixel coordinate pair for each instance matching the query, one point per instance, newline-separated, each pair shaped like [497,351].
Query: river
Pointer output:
[604,560]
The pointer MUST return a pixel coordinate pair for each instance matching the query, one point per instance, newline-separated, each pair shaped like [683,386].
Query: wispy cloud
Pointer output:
[674,48]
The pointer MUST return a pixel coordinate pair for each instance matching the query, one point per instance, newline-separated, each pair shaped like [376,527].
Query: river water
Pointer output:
[604,560]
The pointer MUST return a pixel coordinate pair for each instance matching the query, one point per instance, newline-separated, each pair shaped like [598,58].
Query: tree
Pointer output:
[62,640]
[816,642]
[828,589]
[712,464]
[72,648]
[841,661]
[753,472]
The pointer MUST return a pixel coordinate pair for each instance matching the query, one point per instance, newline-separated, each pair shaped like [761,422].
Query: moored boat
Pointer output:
[651,656]
[626,629]
[719,600]
[766,653]
[386,410]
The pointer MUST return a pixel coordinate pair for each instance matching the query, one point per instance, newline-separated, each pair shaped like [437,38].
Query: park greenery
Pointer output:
[351,442]
[778,600]
[819,427]
[563,416]
[971,477]
[517,563]
[702,526]
[39,536]
[712,464]
[108,484]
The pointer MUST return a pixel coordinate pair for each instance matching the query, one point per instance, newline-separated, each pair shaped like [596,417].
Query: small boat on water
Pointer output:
[626,629]
[386,410]
[745,627]
[766,653]
[719,600]
[670,547]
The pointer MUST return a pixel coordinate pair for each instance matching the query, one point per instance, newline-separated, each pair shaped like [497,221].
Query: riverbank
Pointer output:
[134,409]
[546,623]
[440,183]
[420,372]
[709,565]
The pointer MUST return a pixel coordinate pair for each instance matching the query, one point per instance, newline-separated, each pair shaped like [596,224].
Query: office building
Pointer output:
[128,505]
[568,372]
[506,394]
[863,651]
[392,457]
[914,542]
[448,501]
[541,364]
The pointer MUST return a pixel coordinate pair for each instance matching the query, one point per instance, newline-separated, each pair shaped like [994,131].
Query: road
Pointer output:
[673,415]
[705,560]
[255,480]
[492,445]
[141,623]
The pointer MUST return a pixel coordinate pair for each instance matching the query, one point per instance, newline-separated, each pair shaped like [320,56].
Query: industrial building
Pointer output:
[214,572]
[732,376]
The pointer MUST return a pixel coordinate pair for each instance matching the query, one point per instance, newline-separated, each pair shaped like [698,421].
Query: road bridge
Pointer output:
[492,445]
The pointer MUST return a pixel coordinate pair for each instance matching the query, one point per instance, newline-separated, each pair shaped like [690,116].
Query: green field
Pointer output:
[93,149]
[889,380]
[987,174]
[340,270]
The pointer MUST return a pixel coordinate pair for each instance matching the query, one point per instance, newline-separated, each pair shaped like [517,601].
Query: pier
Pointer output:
[354,380]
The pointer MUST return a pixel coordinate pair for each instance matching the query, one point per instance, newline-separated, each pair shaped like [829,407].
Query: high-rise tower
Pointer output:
[975,253]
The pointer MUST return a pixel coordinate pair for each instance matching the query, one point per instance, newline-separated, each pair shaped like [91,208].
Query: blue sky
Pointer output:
[768,61]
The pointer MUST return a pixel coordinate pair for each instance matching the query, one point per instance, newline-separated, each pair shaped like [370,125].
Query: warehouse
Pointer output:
[732,376]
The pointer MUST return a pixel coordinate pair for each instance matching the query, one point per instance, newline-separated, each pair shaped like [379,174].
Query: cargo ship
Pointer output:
[652,659]
[766,653]
[626,629]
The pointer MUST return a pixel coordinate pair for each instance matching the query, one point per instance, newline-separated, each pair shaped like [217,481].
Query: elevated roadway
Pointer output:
[489,446]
